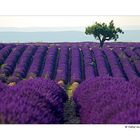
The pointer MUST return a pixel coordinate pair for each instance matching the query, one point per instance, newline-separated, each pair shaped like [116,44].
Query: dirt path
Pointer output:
[70,113]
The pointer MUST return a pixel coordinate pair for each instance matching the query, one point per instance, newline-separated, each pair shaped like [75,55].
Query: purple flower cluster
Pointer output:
[24,63]
[62,69]
[50,63]
[35,67]
[89,64]
[75,65]
[34,101]
[107,100]
[9,65]
[101,66]
[127,67]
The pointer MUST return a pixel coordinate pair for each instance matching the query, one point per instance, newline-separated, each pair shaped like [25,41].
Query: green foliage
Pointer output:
[104,32]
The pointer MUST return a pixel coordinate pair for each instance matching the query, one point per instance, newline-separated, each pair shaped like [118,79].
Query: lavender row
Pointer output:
[133,58]
[10,63]
[4,52]
[89,63]
[24,63]
[76,75]
[36,65]
[115,69]
[62,69]
[49,67]
[129,71]
[101,66]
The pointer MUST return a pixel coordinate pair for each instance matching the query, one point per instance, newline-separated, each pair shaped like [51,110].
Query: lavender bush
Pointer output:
[32,101]
[100,99]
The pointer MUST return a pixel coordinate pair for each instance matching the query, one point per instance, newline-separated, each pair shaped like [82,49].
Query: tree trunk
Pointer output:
[101,44]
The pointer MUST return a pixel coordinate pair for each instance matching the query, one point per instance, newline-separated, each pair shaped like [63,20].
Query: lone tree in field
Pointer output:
[103,32]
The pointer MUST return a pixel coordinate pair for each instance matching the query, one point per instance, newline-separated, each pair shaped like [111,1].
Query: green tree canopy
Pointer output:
[104,32]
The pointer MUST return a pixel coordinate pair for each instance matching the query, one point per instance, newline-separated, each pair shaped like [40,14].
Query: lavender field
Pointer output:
[70,83]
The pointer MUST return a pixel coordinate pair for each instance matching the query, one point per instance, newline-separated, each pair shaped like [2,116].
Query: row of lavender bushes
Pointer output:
[68,65]
[102,100]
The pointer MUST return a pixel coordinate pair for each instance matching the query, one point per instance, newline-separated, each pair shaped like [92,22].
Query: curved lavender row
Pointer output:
[133,58]
[62,69]
[75,65]
[101,67]
[4,52]
[24,62]
[50,63]
[101,99]
[37,62]
[10,63]
[116,72]
[32,101]
[88,63]
[131,74]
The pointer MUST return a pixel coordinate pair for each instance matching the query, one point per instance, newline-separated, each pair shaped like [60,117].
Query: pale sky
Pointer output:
[67,22]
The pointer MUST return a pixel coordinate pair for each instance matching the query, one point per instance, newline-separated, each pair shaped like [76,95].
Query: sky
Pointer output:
[57,23]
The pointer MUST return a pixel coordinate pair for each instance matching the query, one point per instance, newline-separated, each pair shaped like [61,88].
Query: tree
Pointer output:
[104,32]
